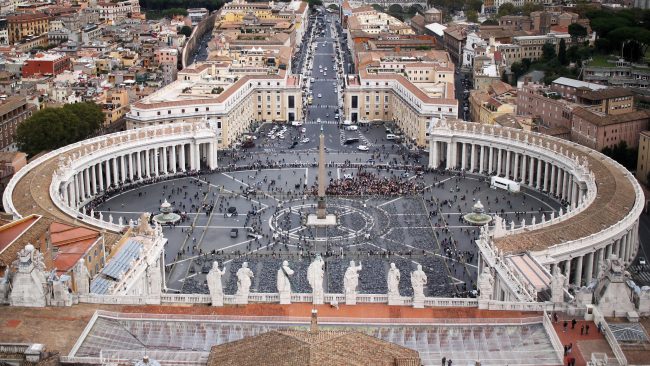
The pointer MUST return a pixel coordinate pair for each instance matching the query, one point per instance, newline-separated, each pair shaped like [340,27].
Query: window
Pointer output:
[355,101]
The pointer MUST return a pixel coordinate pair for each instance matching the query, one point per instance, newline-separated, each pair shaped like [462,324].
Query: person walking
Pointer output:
[582,330]
[566,324]
[444,361]
[587,329]
[573,323]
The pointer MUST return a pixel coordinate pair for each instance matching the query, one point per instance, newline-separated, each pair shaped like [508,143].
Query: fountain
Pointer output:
[478,216]
[166,215]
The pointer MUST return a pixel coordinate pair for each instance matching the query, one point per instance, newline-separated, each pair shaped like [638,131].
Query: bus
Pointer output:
[503,183]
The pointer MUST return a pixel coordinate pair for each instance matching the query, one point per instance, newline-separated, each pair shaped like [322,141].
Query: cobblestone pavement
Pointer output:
[407,229]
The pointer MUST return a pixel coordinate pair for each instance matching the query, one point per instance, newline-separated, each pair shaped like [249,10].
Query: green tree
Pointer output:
[531,7]
[378,8]
[475,5]
[186,30]
[333,7]
[472,16]
[506,9]
[51,128]
[314,3]
[577,31]
[490,22]
[548,52]
[90,117]
[561,53]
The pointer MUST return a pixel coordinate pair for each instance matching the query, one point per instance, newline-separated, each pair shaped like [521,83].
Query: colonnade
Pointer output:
[542,168]
[531,169]
[135,164]
[583,267]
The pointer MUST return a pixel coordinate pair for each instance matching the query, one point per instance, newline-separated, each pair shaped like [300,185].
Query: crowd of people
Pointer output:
[365,183]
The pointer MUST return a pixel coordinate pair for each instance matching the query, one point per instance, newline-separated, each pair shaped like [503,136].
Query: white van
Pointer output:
[390,136]
[351,128]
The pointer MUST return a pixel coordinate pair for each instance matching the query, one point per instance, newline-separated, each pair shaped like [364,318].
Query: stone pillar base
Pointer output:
[418,302]
[217,300]
[394,300]
[318,299]
[285,298]
[350,299]
[483,304]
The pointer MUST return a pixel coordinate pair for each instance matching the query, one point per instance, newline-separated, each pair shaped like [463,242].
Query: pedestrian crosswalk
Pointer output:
[323,106]
[321,123]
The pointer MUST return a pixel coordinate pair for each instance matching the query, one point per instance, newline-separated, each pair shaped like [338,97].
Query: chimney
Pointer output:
[314,321]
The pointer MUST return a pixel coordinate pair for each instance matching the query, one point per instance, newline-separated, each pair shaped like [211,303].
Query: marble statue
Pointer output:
[4,288]
[315,274]
[393,284]
[29,282]
[81,277]
[144,228]
[486,284]
[350,283]
[283,282]
[244,275]
[558,283]
[214,284]
[418,280]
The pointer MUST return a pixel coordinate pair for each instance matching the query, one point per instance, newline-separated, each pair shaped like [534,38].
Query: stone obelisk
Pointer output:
[321,212]
[321,217]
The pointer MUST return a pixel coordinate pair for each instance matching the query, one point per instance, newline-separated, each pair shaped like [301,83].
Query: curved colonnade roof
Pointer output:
[614,200]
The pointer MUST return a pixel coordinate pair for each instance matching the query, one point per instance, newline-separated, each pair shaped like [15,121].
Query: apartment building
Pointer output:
[229,98]
[23,26]
[406,88]
[13,111]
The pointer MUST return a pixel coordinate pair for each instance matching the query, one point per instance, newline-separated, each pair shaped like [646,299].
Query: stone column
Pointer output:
[87,182]
[546,175]
[108,173]
[138,161]
[130,166]
[610,248]
[93,180]
[181,151]
[82,186]
[539,173]
[463,156]
[116,174]
[531,172]
[523,168]
[515,167]
[197,151]
[147,163]
[156,161]
[508,162]
[472,162]
[448,163]
[567,268]
[551,187]
[73,193]
[100,175]
[212,159]
[193,157]
[558,185]
[590,268]
[164,160]
[481,159]
[66,195]
[577,276]
[491,160]
[499,162]
[123,169]
[601,257]
[173,158]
